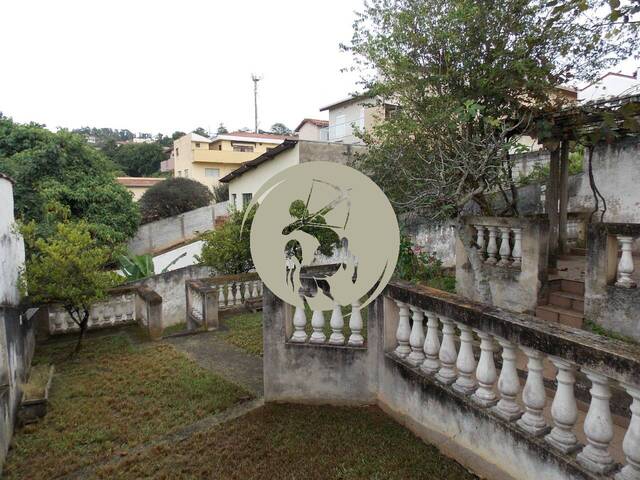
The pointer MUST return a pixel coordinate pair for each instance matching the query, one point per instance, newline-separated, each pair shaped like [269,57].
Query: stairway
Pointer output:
[565,303]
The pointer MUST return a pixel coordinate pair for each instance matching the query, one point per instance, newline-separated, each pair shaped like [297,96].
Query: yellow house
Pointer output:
[207,160]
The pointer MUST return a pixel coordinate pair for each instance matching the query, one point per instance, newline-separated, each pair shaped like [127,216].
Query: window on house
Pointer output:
[212,172]
[220,147]
[176,151]
[233,197]
[179,173]
[242,148]
[197,144]
[246,199]
[186,172]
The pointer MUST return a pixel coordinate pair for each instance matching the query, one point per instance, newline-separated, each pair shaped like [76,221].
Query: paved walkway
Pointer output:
[211,352]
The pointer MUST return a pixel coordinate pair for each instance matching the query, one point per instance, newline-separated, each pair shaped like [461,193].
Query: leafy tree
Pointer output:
[55,171]
[177,134]
[68,268]
[468,78]
[221,192]
[225,250]
[201,131]
[173,197]
[280,129]
[222,129]
[139,159]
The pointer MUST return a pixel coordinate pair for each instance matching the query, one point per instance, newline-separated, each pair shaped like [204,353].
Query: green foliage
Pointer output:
[225,250]
[173,197]
[201,131]
[67,268]
[139,159]
[137,267]
[221,192]
[280,129]
[467,78]
[59,171]
[222,129]
[416,265]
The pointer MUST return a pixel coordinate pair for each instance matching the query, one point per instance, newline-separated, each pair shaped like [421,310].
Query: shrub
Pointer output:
[221,192]
[225,250]
[416,265]
[172,197]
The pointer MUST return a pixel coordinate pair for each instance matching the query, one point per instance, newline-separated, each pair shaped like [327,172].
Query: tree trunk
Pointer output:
[83,328]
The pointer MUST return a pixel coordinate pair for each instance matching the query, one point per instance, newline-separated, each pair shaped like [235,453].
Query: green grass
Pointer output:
[244,331]
[178,327]
[294,442]
[112,396]
[444,282]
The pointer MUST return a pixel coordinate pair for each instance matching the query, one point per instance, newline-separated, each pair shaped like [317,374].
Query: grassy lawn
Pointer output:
[295,442]
[114,395]
[244,331]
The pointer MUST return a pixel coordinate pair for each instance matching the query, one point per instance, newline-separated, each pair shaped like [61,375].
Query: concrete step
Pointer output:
[572,286]
[553,313]
[567,300]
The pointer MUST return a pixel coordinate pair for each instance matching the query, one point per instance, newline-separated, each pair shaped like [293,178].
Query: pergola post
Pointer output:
[552,197]
[563,197]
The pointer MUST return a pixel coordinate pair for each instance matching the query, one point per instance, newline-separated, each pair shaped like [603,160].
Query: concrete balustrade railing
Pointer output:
[125,305]
[509,255]
[301,321]
[207,298]
[605,363]
[612,298]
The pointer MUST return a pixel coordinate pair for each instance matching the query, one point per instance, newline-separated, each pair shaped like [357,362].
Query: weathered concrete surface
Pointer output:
[516,289]
[615,308]
[435,237]
[170,286]
[212,353]
[17,331]
[310,373]
[163,234]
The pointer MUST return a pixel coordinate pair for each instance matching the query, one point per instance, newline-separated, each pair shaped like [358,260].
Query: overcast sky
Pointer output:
[160,66]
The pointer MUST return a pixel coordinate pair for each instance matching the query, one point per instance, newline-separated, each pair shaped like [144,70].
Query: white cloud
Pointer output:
[154,66]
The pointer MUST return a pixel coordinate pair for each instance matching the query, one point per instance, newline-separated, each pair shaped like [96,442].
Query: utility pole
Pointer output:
[255,78]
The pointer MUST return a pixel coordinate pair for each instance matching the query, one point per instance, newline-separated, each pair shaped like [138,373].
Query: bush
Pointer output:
[172,197]
[416,265]
[221,192]
[225,250]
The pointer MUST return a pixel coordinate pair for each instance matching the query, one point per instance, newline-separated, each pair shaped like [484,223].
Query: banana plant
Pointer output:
[137,267]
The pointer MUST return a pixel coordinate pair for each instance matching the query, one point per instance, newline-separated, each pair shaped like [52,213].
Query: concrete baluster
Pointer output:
[564,409]
[598,426]
[222,302]
[254,291]
[237,294]
[299,324]
[508,383]
[492,247]
[431,348]
[533,395]
[355,325]
[247,291]
[337,325]
[466,362]
[486,375]
[480,241]
[416,338]
[317,323]
[447,355]
[505,247]
[631,442]
[517,247]
[403,331]
[625,265]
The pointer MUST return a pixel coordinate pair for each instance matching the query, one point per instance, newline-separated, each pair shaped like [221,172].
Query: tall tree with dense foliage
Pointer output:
[60,170]
[468,77]
[226,249]
[139,159]
[67,268]
[280,129]
[173,197]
